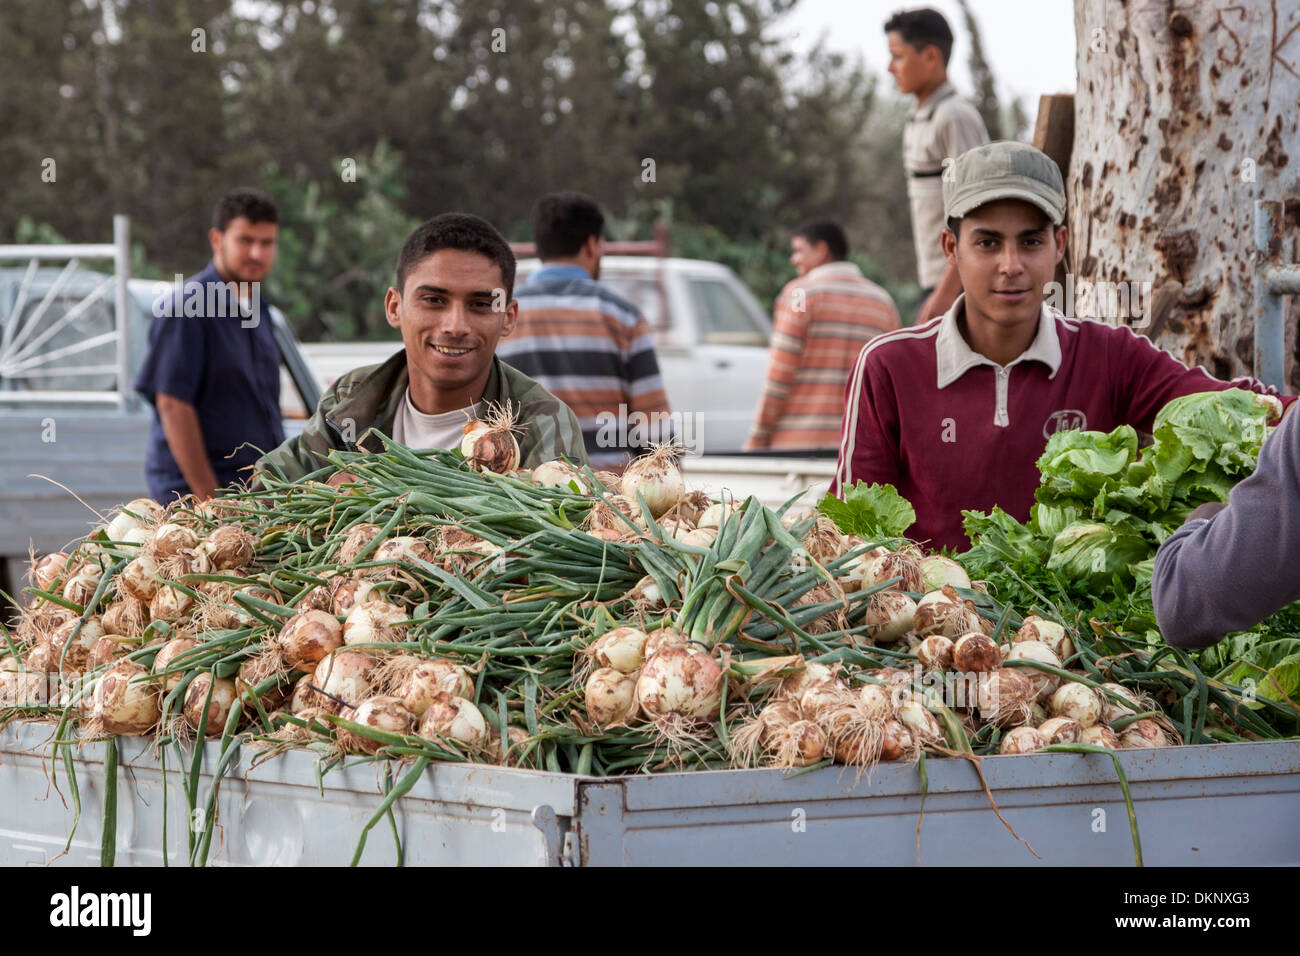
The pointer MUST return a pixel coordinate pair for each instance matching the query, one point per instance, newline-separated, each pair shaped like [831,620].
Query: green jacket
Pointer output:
[369,397]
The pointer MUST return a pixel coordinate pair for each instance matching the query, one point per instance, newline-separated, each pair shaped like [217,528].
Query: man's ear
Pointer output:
[949,243]
[392,302]
[214,237]
[510,318]
[1061,235]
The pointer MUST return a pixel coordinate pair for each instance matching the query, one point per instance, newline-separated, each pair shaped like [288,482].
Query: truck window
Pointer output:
[721,316]
[641,291]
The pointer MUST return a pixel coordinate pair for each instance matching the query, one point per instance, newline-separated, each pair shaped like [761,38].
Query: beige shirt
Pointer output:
[944,128]
[414,429]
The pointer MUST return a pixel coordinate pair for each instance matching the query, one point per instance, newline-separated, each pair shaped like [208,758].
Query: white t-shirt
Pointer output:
[414,429]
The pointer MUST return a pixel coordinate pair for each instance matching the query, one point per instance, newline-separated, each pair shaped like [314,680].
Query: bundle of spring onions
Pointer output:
[425,607]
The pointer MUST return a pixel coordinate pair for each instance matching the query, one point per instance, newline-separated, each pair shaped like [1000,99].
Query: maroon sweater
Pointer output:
[952,431]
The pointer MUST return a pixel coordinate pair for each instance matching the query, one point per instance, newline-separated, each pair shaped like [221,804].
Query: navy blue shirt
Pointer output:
[201,352]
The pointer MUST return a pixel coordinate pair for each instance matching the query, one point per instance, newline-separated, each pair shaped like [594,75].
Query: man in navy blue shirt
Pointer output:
[213,368]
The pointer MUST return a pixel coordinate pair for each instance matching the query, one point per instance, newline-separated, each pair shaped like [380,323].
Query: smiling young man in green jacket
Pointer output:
[454,300]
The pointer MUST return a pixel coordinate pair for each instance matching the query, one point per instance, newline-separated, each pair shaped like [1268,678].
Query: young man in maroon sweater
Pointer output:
[956,412]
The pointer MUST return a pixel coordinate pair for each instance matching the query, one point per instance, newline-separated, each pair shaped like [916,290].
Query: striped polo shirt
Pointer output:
[952,430]
[941,129]
[594,351]
[820,322]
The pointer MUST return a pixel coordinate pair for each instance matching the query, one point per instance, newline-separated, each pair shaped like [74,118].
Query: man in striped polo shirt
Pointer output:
[821,321]
[588,346]
[956,413]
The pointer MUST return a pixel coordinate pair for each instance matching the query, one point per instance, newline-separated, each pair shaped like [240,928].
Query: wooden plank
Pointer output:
[1054,135]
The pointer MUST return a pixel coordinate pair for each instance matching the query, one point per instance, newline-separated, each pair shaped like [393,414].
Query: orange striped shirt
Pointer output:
[821,321]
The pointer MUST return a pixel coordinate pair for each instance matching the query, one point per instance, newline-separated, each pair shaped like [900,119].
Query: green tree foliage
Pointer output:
[696,113]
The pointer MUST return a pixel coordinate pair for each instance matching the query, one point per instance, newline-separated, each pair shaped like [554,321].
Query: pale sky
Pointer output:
[1029,44]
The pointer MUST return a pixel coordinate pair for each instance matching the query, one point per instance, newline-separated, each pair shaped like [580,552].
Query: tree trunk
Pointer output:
[1185,114]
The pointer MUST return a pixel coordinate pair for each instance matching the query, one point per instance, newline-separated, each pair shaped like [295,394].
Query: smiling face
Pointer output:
[1006,253]
[451,314]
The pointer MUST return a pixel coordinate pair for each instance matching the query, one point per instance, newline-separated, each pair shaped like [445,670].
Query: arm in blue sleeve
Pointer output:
[1229,573]
[174,365]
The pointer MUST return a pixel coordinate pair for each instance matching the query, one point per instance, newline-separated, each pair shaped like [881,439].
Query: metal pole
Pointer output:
[122,273]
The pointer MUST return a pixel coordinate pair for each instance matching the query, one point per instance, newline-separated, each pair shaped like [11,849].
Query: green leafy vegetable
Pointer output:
[871,511]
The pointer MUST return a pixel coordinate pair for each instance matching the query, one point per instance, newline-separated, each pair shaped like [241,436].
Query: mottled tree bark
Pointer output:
[1186,113]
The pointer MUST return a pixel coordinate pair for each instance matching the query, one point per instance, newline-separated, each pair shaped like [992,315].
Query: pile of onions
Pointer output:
[374,622]
[1099,735]
[45,571]
[938,571]
[135,515]
[1060,730]
[889,616]
[308,637]
[679,682]
[229,548]
[358,539]
[170,539]
[558,474]
[879,568]
[623,649]
[453,718]
[716,514]
[1045,684]
[692,506]
[166,654]
[1035,628]
[346,592]
[126,617]
[1111,711]
[432,677]
[170,604]
[674,526]
[489,444]
[81,584]
[462,551]
[700,537]
[823,541]
[944,612]
[346,676]
[404,548]
[381,712]
[224,697]
[610,695]
[78,652]
[656,478]
[1023,740]
[975,653]
[935,653]
[608,513]
[1077,702]
[125,700]
[1005,697]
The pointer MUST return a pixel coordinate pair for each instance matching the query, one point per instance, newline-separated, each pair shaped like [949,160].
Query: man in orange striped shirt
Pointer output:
[585,344]
[821,321]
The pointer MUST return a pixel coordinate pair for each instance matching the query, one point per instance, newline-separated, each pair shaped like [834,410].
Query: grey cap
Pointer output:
[1004,170]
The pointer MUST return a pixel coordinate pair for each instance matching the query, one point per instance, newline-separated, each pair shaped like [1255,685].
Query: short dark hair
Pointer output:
[456,230]
[253,204]
[823,230]
[562,222]
[921,28]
